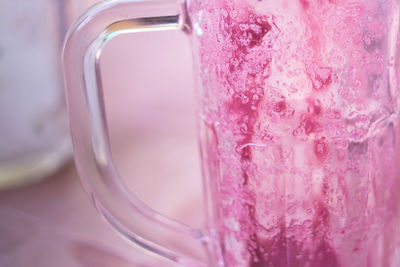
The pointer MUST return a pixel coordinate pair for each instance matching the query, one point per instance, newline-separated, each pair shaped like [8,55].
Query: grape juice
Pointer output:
[299,130]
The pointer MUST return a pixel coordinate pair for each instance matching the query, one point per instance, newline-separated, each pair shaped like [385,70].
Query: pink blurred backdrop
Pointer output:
[150,109]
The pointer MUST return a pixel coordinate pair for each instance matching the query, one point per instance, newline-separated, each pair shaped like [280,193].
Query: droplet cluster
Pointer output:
[299,130]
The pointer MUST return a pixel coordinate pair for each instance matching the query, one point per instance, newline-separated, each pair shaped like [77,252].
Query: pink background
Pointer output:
[150,104]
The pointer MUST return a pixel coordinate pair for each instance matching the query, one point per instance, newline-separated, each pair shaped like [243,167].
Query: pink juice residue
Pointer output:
[299,130]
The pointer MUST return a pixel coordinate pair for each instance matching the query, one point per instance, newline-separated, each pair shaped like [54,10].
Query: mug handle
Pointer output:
[124,211]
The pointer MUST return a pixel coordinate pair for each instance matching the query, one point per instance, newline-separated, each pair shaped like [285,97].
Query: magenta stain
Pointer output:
[321,149]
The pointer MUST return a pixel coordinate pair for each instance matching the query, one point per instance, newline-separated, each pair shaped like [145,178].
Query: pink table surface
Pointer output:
[150,105]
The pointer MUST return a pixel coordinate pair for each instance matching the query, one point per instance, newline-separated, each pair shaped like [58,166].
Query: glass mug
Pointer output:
[298,126]
[34,139]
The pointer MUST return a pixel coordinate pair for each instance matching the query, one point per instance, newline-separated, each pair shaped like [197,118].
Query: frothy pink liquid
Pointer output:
[299,130]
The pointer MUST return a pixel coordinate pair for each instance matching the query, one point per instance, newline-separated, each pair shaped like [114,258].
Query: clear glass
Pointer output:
[123,210]
[34,137]
[298,125]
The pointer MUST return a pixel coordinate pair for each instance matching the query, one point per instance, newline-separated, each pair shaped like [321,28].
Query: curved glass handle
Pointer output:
[119,207]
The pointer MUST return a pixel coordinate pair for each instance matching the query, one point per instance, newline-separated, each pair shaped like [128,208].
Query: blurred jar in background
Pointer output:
[34,135]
